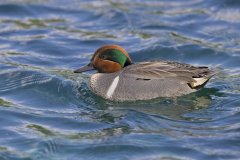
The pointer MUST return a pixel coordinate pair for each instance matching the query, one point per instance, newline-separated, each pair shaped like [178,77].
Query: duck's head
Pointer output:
[107,59]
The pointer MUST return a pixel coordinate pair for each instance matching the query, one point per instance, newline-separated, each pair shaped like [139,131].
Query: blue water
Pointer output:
[47,112]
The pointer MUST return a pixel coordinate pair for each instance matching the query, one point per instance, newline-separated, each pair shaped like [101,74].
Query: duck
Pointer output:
[119,79]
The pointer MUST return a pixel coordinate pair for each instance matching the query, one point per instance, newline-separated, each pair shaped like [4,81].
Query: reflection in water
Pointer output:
[5,103]
[172,108]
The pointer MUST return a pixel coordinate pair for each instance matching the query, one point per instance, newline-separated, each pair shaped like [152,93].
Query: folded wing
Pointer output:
[195,77]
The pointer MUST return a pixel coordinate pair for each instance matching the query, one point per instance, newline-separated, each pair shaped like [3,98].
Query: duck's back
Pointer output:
[148,80]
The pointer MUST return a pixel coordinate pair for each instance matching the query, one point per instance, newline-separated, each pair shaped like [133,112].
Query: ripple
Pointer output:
[45,149]
[15,10]
[17,79]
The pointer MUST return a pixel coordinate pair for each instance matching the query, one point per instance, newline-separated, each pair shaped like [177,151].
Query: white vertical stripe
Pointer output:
[112,87]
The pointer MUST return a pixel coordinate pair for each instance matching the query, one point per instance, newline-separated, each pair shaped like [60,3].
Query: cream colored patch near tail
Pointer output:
[112,87]
[199,82]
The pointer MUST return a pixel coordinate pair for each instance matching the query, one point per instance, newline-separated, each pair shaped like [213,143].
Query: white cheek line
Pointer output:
[112,87]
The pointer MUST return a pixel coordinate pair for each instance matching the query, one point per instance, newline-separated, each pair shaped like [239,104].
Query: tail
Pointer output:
[200,82]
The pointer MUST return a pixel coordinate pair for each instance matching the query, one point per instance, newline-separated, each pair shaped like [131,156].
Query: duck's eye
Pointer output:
[102,56]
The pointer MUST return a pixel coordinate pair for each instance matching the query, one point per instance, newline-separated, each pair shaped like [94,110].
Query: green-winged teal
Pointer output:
[119,79]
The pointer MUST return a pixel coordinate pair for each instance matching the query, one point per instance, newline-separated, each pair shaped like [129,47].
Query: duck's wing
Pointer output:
[194,76]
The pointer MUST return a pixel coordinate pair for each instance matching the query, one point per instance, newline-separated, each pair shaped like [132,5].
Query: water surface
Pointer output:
[47,112]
